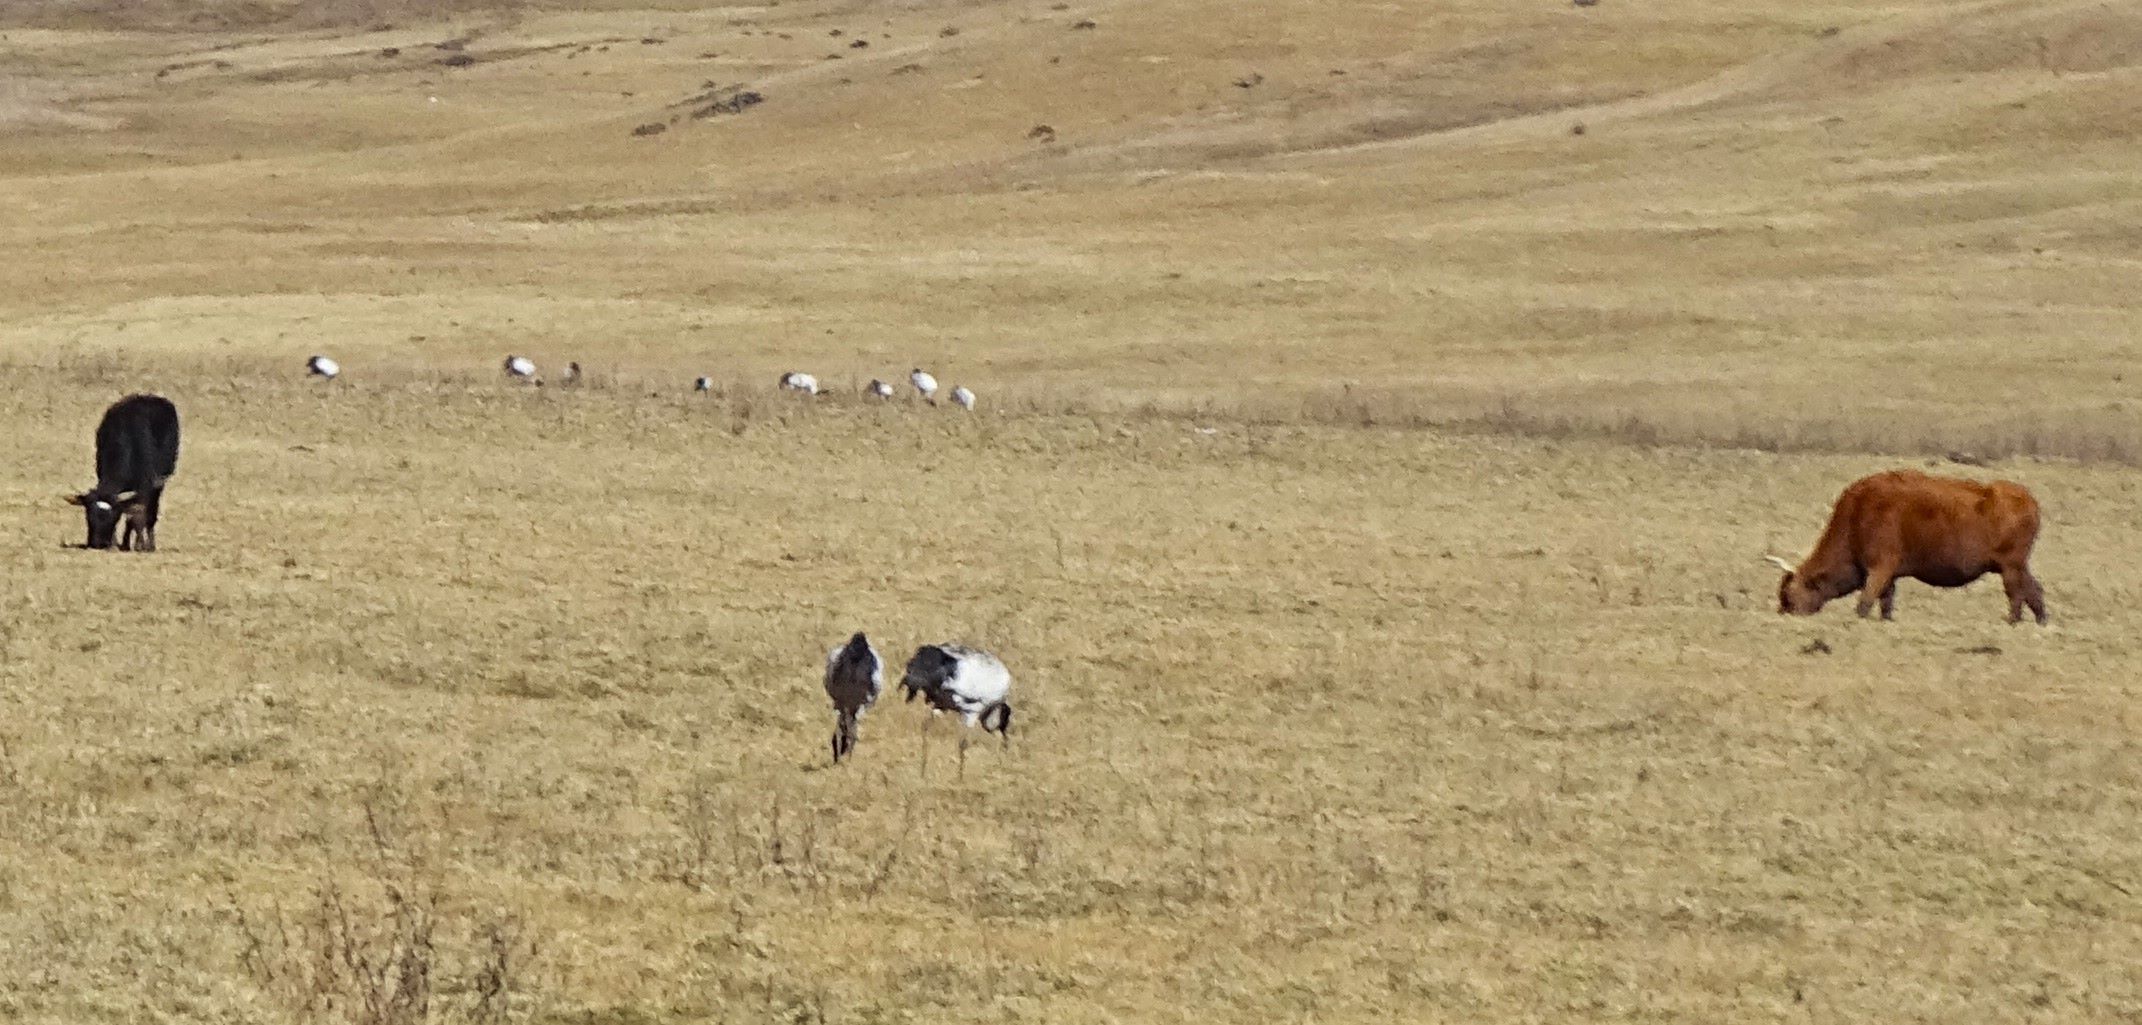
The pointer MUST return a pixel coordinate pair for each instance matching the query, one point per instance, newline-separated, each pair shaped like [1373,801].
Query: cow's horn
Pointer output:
[1780,563]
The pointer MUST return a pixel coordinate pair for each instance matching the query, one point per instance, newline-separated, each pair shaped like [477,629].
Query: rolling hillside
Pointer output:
[1839,220]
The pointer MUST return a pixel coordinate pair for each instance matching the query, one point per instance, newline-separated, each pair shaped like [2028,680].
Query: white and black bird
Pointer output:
[925,385]
[703,384]
[878,389]
[854,677]
[963,398]
[323,368]
[520,368]
[572,373]
[800,382]
[968,682]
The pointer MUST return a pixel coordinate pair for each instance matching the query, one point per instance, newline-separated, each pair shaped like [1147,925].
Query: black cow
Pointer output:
[137,451]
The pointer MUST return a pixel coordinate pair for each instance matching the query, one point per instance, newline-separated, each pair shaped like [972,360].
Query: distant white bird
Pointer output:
[854,677]
[880,389]
[924,384]
[965,398]
[572,373]
[322,367]
[520,368]
[805,383]
[966,681]
[704,384]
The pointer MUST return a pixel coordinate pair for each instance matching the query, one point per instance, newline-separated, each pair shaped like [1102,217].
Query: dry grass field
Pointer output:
[1368,494]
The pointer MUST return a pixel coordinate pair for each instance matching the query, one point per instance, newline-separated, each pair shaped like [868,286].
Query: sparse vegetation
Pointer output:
[380,959]
[602,720]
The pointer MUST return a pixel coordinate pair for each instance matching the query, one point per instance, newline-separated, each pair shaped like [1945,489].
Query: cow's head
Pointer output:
[1797,595]
[102,512]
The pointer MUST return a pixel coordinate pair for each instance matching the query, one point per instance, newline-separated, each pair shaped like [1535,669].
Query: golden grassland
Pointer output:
[1368,495]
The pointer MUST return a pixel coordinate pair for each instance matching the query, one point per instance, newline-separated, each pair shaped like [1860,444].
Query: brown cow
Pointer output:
[1940,530]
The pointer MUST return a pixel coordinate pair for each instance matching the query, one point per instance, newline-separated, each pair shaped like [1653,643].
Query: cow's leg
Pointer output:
[1880,586]
[148,520]
[2022,590]
[1889,600]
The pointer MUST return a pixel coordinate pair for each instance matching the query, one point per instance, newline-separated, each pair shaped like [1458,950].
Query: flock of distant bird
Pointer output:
[967,682]
[878,388]
[521,368]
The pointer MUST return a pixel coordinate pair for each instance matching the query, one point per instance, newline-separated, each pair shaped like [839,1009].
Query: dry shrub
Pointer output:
[385,953]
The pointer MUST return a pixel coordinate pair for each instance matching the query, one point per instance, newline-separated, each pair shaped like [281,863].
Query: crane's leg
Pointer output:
[926,725]
[848,734]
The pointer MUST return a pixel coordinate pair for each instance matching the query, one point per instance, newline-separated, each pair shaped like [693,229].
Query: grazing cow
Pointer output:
[1941,530]
[137,451]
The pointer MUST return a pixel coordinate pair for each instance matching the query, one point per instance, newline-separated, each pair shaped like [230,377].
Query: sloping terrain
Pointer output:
[1391,200]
